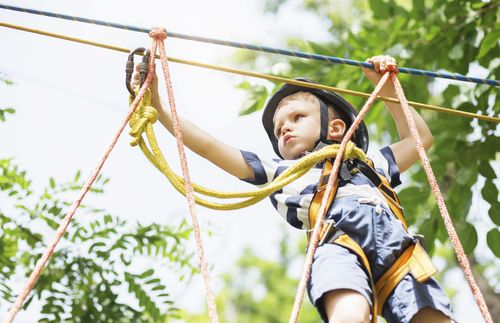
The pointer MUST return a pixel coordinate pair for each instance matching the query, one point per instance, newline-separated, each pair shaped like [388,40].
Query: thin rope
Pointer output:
[268,77]
[299,54]
[159,35]
[457,246]
[37,271]
[313,242]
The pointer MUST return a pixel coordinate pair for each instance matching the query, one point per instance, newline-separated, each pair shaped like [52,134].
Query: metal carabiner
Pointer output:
[143,67]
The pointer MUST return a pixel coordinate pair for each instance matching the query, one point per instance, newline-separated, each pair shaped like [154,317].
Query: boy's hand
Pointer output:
[153,87]
[381,64]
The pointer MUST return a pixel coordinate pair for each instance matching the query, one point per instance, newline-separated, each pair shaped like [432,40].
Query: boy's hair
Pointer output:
[308,97]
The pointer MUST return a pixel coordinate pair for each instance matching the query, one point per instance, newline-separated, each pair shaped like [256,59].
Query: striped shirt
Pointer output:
[293,200]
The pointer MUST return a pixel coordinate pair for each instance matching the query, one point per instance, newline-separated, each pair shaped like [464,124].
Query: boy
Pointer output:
[300,120]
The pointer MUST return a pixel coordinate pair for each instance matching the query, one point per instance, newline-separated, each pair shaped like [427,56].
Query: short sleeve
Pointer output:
[385,164]
[263,169]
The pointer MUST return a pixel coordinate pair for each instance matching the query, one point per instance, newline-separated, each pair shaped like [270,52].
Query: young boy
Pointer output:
[300,120]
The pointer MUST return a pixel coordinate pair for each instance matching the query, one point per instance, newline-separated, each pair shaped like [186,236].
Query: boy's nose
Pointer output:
[287,126]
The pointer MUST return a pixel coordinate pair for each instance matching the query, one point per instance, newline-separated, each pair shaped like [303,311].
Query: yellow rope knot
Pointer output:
[143,115]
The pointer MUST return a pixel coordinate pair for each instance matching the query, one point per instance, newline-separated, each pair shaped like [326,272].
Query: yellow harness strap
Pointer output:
[318,197]
[347,242]
[413,260]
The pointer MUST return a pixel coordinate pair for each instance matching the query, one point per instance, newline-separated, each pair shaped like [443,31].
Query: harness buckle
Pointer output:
[326,231]
[143,68]
[419,238]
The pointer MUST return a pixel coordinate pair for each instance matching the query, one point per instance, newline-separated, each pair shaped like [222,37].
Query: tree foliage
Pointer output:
[101,269]
[455,36]
[260,290]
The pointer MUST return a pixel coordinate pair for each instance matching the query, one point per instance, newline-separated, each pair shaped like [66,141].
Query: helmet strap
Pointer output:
[323,135]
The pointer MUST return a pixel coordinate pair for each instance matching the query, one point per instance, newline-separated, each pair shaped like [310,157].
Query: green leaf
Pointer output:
[486,170]
[490,191]
[96,245]
[379,8]
[429,229]
[489,42]
[153,281]
[493,240]
[77,176]
[451,92]
[494,213]
[468,236]
[147,273]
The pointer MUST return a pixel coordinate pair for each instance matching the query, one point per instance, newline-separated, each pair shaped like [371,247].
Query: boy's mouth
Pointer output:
[288,138]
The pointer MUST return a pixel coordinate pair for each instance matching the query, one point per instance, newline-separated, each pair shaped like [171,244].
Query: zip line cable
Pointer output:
[259,75]
[338,60]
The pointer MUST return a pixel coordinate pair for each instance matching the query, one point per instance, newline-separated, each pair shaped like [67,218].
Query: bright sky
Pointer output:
[70,99]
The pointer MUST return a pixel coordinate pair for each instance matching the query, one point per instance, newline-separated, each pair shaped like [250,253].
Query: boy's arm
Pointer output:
[405,151]
[219,153]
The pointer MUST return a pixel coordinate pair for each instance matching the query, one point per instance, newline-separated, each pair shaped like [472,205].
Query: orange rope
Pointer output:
[313,242]
[455,241]
[457,246]
[35,274]
[159,35]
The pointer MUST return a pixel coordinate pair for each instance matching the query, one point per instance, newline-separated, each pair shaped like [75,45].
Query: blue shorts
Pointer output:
[383,238]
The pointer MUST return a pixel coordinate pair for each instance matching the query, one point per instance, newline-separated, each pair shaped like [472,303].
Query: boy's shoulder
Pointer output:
[385,164]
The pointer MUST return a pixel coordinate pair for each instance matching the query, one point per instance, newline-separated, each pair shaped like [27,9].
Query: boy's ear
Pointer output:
[336,129]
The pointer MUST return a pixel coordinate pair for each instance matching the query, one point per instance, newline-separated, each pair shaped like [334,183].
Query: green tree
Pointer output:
[454,36]
[101,269]
[260,290]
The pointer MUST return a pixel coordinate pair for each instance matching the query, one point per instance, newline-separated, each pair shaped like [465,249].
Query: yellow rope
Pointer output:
[261,76]
[142,121]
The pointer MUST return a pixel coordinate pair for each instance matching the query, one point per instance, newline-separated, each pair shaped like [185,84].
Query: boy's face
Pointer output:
[297,125]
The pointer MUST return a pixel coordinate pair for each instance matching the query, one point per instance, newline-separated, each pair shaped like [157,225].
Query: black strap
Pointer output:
[372,175]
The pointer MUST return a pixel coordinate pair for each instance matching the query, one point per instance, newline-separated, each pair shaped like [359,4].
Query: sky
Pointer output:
[70,98]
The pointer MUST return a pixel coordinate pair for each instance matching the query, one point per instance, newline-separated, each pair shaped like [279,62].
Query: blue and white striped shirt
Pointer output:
[293,200]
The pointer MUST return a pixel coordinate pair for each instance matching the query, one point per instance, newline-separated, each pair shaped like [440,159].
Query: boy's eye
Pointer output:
[298,116]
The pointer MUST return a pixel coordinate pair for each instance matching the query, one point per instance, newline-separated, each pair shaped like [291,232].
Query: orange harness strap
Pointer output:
[347,242]
[413,260]
[318,196]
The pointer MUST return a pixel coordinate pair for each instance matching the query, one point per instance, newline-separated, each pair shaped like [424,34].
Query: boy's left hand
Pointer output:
[381,64]
[153,87]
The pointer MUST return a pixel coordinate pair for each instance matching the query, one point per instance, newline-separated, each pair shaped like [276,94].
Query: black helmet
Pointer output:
[342,107]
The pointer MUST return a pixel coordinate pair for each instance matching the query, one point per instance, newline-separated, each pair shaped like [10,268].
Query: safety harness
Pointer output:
[414,259]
